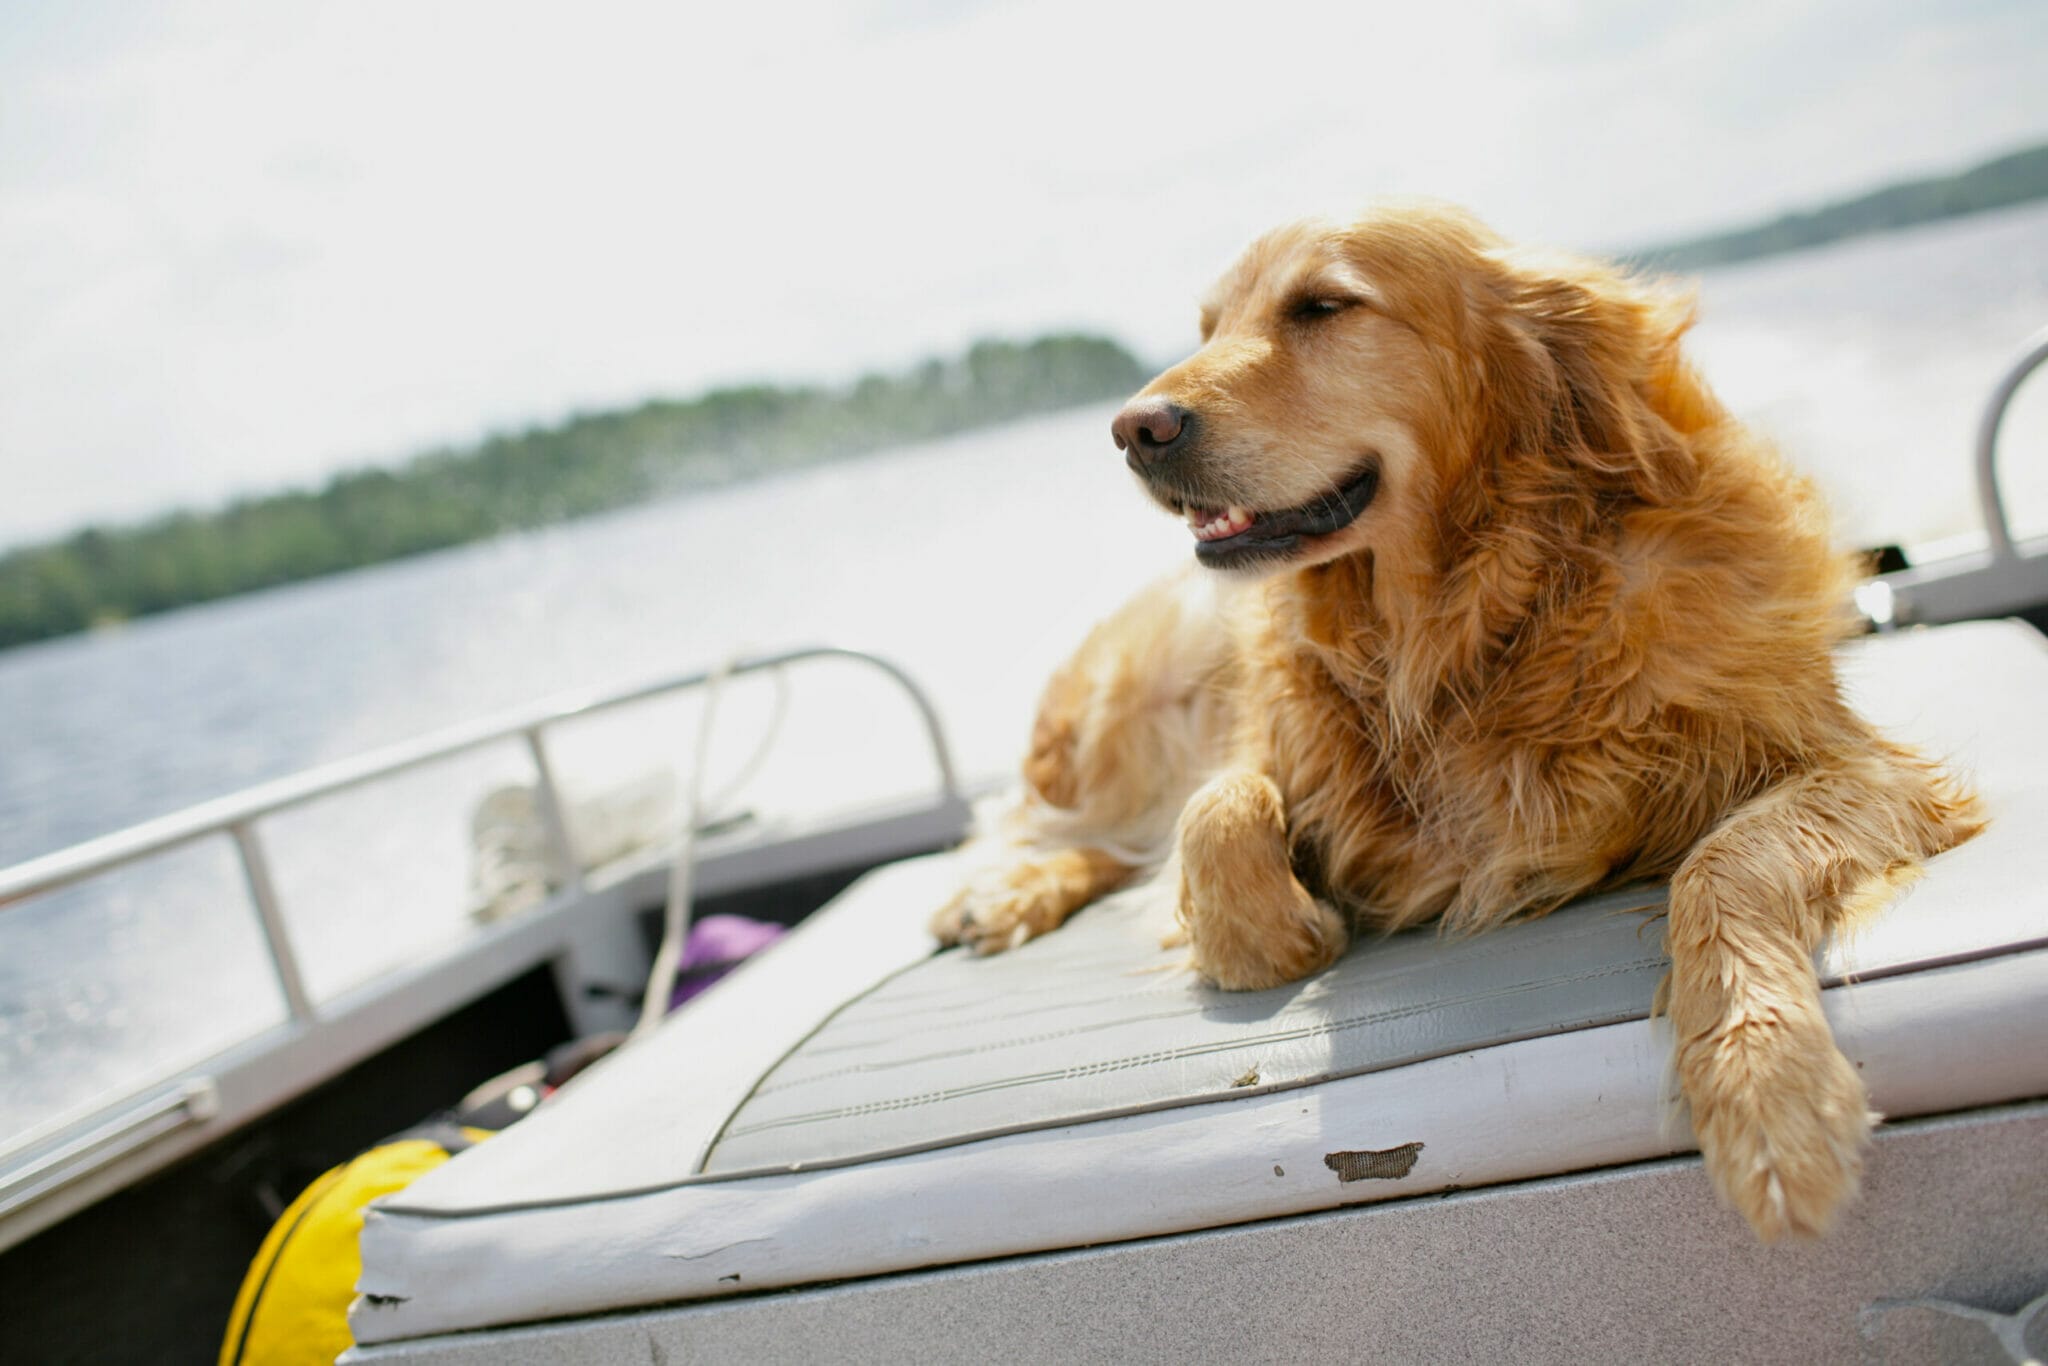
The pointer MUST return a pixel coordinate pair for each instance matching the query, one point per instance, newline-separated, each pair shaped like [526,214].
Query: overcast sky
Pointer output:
[244,244]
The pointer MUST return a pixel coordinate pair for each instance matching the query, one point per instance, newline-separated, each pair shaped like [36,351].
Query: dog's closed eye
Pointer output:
[1315,308]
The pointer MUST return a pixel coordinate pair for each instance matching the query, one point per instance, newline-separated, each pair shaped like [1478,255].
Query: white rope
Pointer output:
[760,755]
[675,921]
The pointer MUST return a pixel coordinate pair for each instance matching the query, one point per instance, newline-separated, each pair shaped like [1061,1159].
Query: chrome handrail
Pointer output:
[2006,576]
[192,1101]
[1988,496]
[236,815]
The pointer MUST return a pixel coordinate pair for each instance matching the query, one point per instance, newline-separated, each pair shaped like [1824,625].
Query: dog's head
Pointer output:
[1364,387]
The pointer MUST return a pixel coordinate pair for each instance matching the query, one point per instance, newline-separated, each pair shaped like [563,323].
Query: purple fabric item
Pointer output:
[716,945]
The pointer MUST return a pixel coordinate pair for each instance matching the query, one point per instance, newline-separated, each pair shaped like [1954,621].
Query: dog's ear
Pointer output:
[1575,362]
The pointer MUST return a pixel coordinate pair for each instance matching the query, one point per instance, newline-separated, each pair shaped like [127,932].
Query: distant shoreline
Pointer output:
[594,462]
[2014,178]
[591,462]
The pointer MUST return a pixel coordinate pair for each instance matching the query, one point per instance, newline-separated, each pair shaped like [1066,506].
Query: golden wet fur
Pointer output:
[1581,635]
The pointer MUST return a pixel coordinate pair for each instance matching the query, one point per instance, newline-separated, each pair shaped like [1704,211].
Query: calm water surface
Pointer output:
[975,562]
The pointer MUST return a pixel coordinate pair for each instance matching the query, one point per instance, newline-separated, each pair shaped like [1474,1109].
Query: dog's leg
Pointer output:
[1122,732]
[1780,1114]
[1019,900]
[1249,921]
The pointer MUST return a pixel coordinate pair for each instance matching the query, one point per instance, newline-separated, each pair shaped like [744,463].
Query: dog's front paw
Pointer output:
[1782,1120]
[1014,902]
[947,922]
[1244,947]
[991,918]
[1250,923]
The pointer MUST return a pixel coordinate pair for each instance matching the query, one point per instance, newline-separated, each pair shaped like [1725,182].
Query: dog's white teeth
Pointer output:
[1211,525]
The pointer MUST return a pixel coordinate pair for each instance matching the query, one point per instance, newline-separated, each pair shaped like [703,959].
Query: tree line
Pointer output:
[587,463]
[2012,179]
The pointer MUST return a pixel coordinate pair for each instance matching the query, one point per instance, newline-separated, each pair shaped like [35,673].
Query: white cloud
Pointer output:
[247,243]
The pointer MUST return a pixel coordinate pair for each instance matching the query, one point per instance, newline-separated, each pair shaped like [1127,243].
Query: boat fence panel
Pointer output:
[77,1156]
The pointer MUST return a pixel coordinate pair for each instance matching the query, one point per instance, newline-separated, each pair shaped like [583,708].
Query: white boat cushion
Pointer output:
[1097,1020]
[849,1104]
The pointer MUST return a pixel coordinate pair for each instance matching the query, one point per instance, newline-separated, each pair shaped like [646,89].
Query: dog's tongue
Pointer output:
[1208,524]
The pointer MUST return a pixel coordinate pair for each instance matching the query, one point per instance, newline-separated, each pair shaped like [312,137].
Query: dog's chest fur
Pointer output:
[1433,769]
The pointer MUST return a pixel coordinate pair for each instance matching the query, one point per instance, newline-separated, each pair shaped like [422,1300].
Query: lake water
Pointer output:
[975,562]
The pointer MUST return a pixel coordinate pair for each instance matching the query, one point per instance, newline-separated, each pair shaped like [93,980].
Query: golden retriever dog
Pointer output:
[1496,605]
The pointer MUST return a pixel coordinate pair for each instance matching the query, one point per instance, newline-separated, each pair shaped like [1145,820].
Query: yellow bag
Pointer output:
[293,1305]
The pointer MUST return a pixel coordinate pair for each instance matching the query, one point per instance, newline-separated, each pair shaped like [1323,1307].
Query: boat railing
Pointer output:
[68,1160]
[2007,575]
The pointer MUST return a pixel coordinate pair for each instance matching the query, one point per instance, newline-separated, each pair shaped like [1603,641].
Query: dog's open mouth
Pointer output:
[1226,537]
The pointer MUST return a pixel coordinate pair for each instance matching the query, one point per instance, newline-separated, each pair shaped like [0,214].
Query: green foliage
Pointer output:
[586,464]
[2010,179]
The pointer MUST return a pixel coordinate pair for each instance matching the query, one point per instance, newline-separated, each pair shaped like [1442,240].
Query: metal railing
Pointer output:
[2008,575]
[76,1157]
[1989,500]
[236,816]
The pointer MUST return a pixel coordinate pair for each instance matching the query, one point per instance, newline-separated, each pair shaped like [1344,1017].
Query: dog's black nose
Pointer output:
[1148,429]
